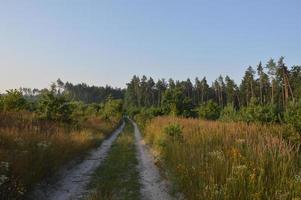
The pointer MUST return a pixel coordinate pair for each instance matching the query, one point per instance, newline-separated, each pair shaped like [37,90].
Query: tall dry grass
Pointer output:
[32,150]
[216,160]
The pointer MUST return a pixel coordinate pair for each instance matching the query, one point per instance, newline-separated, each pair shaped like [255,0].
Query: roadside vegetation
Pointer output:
[225,140]
[118,176]
[39,134]
[218,160]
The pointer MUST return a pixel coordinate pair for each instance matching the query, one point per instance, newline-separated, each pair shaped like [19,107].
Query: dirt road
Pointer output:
[72,182]
[153,186]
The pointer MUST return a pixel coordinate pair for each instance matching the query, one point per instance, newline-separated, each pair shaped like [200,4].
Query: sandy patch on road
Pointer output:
[153,186]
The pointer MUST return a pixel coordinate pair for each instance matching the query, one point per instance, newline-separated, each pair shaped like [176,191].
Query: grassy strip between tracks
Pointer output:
[118,176]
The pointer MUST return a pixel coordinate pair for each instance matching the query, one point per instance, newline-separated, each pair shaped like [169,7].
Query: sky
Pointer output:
[108,41]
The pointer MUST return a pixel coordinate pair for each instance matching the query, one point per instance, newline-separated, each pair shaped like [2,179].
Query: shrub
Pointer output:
[92,109]
[292,115]
[176,104]
[229,114]
[258,113]
[174,131]
[132,111]
[209,110]
[13,100]
[268,113]
[112,109]
[54,107]
[146,114]
[79,111]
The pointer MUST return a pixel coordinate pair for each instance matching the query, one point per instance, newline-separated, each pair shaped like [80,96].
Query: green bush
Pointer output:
[79,111]
[146,114]
[268,113]
[92,109]
[174,130]
[112,109]
[229,114]
[292,115]
[176,104]
[209,110]
[13,100]
[132,111]
[258,113]
[54,107]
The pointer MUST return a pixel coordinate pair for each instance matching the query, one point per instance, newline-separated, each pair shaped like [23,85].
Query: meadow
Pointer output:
[32,150]
[220,160]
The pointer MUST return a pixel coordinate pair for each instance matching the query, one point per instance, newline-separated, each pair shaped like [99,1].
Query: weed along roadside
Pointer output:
[73,180]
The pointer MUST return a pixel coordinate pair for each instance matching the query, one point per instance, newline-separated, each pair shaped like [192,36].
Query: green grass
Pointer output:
[118,176]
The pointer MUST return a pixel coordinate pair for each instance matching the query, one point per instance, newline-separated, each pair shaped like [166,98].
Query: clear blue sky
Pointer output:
[107,41]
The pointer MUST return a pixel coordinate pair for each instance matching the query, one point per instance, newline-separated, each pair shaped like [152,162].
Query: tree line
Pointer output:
[78,92]
[266,93]
[65,102]
[269,92]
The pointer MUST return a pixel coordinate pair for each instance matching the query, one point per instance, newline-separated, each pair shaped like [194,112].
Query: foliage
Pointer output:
[80,111]
[131,111]
[89,94]
[229,113]
[176,104]
[112,109]
[13,100]
[272,87]
[146,114]
[258,113]
[174,131]
[292,115]
[54,107]
[209,110]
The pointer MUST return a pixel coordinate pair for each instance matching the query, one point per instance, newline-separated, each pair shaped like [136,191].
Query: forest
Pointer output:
[219,140]
[268,93]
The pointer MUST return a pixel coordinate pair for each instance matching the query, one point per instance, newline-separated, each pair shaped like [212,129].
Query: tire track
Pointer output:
[153,186]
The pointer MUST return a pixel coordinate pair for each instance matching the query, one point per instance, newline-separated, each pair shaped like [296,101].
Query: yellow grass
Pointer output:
[31,150]
[216,160]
